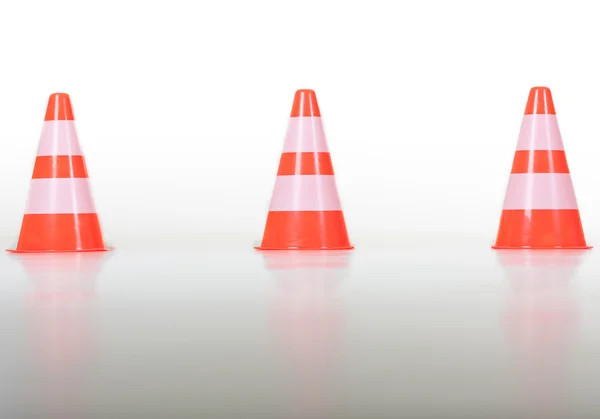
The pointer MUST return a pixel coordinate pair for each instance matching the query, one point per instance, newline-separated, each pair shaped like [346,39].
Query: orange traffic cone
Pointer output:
[540,209]
[305,211]
[60,215]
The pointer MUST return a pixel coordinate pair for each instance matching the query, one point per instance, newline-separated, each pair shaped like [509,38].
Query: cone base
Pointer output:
[58,233]
[261,248]
[305,230]
[540,229]
[106,249]
[542,248]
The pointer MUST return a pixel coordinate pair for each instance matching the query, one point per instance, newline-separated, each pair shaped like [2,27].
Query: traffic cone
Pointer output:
[60,215]
[540,210]
[305,211]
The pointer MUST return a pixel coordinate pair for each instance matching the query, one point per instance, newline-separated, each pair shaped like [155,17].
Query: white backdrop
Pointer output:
[182,106]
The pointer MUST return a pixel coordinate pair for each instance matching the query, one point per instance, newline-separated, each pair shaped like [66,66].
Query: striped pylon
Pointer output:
[60,215]
[540,210]
[305,211]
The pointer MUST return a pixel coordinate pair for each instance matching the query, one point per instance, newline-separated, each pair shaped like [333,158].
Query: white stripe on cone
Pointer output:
[305,134]
[552,191]
[540,132]
[60,196]
[59,138]
[305,193]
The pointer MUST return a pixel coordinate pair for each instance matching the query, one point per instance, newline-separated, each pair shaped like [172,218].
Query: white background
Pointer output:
[182,106]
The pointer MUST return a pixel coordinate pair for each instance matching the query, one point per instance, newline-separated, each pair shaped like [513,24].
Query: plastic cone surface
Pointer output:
[60,215]
[540,210]
[305,211]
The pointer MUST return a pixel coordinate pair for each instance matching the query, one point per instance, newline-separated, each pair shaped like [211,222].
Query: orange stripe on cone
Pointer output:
[305,230]
[305,104]
[540,210]
[305,164]
[59,167]
[541,229]
[59,108]
[540,161]
[60,233]
[540,102]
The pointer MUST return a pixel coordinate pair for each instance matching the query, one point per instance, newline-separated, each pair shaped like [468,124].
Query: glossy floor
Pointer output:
[416,331]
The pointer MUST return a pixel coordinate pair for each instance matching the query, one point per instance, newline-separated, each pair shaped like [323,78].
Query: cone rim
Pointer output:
[585,247]
[17,251]
[273,249]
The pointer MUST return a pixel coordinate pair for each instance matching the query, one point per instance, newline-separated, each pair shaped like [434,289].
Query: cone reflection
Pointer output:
[541,321]
[307,320]
[60,306]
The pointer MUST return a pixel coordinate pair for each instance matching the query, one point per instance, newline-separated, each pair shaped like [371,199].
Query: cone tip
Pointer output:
[540,101]
[59,108]
[305,104]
